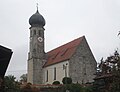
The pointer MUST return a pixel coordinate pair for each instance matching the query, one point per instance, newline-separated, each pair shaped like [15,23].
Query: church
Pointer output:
[73,59]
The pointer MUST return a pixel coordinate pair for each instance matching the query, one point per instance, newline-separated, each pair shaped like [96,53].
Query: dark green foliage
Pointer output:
[108,80]
[88,89]
[72,88]
[115,86]
[76,88]
[99,85]
[67,80]
[115,70]
[23,78]
[10,84]
[56,82]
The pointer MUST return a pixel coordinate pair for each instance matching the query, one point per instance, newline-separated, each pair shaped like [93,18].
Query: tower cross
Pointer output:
[37,6]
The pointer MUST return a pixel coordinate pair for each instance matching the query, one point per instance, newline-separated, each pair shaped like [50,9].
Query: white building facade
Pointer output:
[56,72]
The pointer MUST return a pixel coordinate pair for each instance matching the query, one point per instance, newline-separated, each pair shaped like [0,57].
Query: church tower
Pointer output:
[36,55]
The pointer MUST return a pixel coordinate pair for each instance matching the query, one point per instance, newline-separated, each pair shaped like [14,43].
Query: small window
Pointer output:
[34,32]
[47,76]
[55,73]
[39,32]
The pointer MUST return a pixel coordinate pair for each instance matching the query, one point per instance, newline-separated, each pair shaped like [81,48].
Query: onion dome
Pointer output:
[37,20]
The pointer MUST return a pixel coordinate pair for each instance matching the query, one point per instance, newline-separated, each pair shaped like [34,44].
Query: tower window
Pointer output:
[39,32]
[34,32]
[55,73]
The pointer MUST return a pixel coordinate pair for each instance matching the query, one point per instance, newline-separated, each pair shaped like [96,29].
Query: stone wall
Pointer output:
[36,56]
[82,65]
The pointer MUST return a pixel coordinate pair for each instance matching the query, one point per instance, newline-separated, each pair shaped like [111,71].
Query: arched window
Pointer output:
[47,76]
[54,73]
[39,32]
[34,32]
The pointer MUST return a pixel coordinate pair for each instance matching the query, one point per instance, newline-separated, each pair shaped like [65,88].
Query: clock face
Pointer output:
[40,39]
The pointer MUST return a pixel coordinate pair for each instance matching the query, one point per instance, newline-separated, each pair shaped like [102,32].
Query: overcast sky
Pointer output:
[66,20]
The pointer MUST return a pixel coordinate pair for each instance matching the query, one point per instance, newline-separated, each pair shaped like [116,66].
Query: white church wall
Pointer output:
[62,70]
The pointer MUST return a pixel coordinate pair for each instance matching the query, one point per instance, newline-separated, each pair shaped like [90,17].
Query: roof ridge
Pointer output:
[65,44]
[63,52]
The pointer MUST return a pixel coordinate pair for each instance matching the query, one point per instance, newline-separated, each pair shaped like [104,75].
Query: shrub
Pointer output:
[67,80]
[56,82]
[72,88]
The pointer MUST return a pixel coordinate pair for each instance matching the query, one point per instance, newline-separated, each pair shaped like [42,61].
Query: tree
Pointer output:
[108,78]
[115,87]
[10,84]
[23,78]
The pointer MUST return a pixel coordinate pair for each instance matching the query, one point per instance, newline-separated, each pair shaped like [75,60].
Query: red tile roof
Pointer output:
[63,52]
